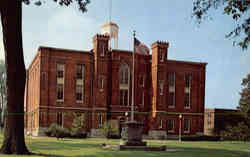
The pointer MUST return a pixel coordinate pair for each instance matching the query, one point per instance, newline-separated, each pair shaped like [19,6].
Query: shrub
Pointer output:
[200,138]
[77,130]
[241,132]
[108,131]
[57,131]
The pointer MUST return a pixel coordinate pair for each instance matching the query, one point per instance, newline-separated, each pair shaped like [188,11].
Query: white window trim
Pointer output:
[125,86]
[100,123]
[143,98]
[189,102]
[187,131]
[161,57]
[161,124]
[82,83]
[57,78]
[161,87]
[173,105]
[173,130]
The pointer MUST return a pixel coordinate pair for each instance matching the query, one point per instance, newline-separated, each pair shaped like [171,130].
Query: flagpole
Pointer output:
[133,81]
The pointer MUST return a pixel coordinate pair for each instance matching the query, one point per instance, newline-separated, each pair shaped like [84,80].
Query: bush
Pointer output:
[241,132]
[77,130]
[200,138]
[57,131]
[108,131]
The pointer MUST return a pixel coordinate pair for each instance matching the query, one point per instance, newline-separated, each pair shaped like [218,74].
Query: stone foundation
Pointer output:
[157,134]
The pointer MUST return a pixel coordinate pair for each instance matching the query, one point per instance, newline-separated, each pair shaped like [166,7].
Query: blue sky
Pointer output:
[51,25]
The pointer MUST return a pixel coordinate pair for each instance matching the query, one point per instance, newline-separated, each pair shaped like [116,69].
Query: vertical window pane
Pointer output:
[121,97]
[187,100]
[79,91]
[125,97]
[171,79]
[171,99]
[187,80]
[60,70]
[79,72]
[186,125]
[59,91]
[170,125]
[59,118]
[126,76]
[161,83]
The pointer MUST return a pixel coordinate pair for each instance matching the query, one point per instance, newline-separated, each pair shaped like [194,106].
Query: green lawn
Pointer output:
[92,148]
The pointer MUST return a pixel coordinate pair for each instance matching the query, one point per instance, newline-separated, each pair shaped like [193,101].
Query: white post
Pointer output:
[180,116]
[133,74]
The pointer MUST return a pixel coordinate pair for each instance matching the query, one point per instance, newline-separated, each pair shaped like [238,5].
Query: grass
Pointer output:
[92,148]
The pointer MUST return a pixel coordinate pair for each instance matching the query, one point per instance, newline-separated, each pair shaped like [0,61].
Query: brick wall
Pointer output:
[102,63]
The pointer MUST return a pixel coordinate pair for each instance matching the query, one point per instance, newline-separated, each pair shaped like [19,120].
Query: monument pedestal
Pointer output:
[134,133]
[134,141]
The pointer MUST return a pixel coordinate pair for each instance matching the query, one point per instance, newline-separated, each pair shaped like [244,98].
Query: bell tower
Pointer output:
[111,29]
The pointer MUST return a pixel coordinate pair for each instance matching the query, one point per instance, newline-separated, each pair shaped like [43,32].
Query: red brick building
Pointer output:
[97,83]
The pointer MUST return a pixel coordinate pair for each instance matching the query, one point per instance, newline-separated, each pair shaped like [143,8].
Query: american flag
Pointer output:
[141,48]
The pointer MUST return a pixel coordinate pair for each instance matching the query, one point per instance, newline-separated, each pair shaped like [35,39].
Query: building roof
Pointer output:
[61,49]
[110,23]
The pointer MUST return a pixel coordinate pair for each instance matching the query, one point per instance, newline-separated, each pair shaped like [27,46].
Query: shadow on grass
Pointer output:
[46,155]
[99,151]
[183,152]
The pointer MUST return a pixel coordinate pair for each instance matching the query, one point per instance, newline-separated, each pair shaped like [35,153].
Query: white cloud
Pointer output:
[64,28]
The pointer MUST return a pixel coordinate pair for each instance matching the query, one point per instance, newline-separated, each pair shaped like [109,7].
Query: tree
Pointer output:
[240,132]
[11,18]
[244,104]
[3,89]
[77,129]
[237,9]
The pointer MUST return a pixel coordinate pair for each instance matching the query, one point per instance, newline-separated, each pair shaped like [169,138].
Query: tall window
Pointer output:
[59,91]
[187,125]
[79,71]
[123,97]
[103,51]
[161,85]
[79,83]
[171,90]
[79,93]
[124,84]
[60,82]
[187,91]
[142,80]
[60,70]
[170,125]
[142,97]
[100,120]
[59,118]
[101,82]
[161,57]
[161,124]
[187,80]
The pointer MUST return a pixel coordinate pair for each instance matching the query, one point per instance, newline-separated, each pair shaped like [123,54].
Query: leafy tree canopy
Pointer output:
[237,9]
[244,104]
[81,3]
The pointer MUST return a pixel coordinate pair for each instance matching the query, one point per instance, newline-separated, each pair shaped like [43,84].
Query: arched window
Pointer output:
[124,84]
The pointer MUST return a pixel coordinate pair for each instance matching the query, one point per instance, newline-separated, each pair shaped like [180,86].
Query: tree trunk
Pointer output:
[11,18]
